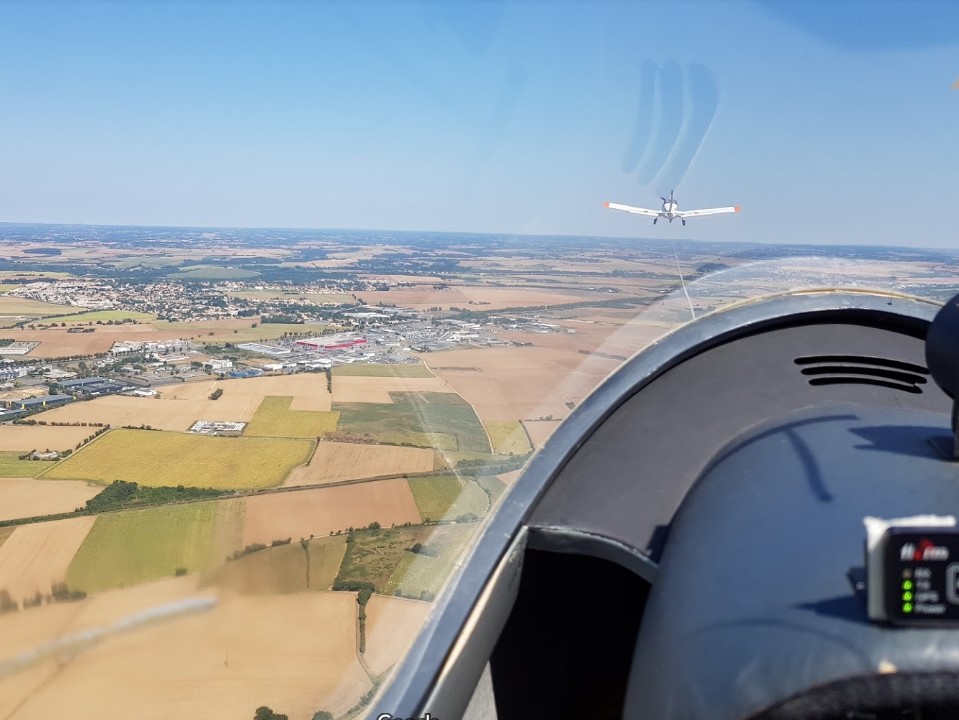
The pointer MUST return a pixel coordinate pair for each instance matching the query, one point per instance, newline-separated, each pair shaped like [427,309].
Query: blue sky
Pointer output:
[827,124]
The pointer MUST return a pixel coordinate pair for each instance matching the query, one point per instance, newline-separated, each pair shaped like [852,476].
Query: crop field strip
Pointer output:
[135,546]
[509,438]
[365,370]
[11,467]
[102,316]
[274,418]
[339,461]
[416,419]
[157,458]
[284,569]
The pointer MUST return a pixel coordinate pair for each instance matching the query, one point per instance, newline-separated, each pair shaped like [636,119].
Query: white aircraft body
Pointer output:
[671,210]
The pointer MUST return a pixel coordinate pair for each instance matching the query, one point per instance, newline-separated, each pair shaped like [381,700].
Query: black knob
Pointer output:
[942,348]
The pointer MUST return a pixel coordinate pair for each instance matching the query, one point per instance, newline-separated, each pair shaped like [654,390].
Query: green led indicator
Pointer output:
[907,608]
[907,596]
[907,585]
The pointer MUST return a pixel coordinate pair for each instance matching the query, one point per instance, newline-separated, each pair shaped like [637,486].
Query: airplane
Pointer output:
[671,210]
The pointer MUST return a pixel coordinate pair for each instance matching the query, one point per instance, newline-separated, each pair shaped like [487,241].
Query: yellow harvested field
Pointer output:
[333,461]
[179,406]
[27,497]
[391,626]
[33,437]
[317,511]
[158,458]
[505,384]
[348,389]
[307,390]
[508,438]
[540,431]
[294,653]
[36,556]
[120,410]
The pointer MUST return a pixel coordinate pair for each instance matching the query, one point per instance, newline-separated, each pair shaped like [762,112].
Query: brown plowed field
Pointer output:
[335,461]
[316,512]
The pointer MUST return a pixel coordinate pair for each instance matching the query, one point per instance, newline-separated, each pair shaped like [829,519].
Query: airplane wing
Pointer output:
[707,211]
[631,209]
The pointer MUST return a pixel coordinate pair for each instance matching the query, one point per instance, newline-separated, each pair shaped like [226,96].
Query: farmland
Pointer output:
[373,389]
[10,305]
[423,574]
[320,510]
[435,494]
[334,461]
[283,569]
[508,384]
[391,625]
[36,556]
[364,370]
[155,458]
[11,467]
[179,406]
[233,331]
[275,419]
[32,437]
[26,497]
[385,558]
[136,546]
[417,419]
[221,664]
[509,438]
[100,316]
[308,392]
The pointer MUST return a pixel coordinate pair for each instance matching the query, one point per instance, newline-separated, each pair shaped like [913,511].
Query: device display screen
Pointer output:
[921,569]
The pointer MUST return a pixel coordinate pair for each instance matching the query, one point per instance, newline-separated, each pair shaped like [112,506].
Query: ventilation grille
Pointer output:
[863,370]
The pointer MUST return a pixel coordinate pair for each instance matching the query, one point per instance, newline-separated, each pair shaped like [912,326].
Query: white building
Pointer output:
[218,364]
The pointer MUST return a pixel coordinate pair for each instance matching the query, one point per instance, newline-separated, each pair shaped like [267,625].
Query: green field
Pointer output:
[223,332]
[435,494]
[21,306]
[6,287]
[283,569]
[509,438]
[5,532]
[275,419]
[374,554]
[363,370]
[417,419]
[212,272]
[102,315]
[136,546]
[418,573]
[11,467]
[155,458]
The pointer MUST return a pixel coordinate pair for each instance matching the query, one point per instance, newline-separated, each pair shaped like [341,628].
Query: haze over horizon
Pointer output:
[828,125]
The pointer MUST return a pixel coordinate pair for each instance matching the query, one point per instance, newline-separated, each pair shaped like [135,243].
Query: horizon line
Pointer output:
[473,232]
